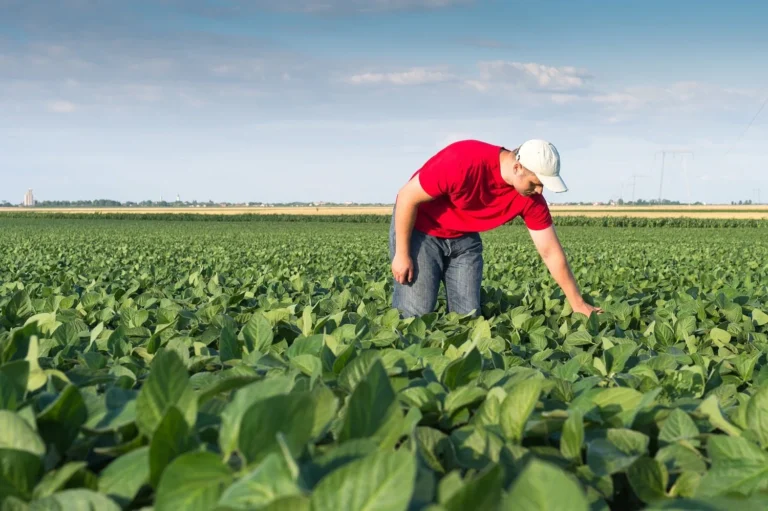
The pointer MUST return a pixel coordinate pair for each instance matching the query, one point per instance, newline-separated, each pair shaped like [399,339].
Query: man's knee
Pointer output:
[410,302]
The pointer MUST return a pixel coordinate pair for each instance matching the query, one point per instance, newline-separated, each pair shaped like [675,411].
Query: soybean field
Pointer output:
[235,365]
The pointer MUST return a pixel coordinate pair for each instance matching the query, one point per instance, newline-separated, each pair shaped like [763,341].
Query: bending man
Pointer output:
[467,188]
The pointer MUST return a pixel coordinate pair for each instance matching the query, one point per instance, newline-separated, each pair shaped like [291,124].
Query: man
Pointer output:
[467,188]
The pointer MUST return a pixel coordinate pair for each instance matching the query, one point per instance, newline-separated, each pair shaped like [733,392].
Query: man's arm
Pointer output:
[551,252]
[408,199]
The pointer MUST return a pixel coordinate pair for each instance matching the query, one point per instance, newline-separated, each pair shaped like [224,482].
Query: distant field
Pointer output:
[713,211]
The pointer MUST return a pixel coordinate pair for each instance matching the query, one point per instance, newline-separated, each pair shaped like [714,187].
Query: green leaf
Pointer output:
[664,334]
[167,385]
[757,415]
[356,370]
[463,397]
[326,408]
[482,492]
[229,348]
[578,338]
[620,449]
[59,423]
[463,371]
[19,472]
[382,481]
[124,477]
[13,384]
[517,407]
[544,487]
[291,415]
[678,426]
[37,377]
[720,335]
[192,482]
[20,307]
[648,479]
[759,317]
[258,333]
[711,409]
[75,500]
[373,410]
[15,433]
[268,482]
[738,467]
[572,439]
[54,481]
[170,440]
[232,416]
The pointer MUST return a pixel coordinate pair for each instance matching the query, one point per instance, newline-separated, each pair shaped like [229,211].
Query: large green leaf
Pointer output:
[13,384]
[193,481]
[19,472]
[678,426]
[544,487]
[59,423]
[258,333]
[617,452]
[382,481]
[757,415]
[166,386]
[290,415]
[170,440]
[15,433]
[482,492]
[373,410]
[738,467]
[270,481]
[517,407]
[648,479]
[232,415]
[124,476]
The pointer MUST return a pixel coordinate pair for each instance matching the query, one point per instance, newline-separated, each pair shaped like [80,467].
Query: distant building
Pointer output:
[29,198]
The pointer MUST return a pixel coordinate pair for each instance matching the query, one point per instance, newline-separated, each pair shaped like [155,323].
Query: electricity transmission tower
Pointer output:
[663,159]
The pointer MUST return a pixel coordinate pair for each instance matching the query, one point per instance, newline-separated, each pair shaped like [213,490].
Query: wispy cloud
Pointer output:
[61,107]
[414,76]
[532,76]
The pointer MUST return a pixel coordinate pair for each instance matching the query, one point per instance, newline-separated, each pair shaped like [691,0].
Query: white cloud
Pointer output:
[532,76]
[61,107]
[415,76]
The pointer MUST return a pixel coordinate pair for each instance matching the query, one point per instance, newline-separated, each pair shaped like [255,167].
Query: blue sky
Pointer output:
[342,100]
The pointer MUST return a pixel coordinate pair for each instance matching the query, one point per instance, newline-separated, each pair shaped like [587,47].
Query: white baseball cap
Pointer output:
[541,158]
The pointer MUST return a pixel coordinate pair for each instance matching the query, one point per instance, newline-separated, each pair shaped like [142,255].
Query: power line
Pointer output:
[759,110]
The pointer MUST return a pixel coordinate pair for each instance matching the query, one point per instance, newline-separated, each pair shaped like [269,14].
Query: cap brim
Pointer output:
[553,183]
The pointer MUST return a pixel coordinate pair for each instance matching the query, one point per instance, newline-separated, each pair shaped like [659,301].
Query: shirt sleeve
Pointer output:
[536,214]
[444,172]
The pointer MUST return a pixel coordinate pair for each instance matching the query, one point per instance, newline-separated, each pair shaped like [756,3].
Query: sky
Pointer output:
[342,100]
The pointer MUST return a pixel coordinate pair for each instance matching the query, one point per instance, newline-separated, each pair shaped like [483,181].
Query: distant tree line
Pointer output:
[108,203]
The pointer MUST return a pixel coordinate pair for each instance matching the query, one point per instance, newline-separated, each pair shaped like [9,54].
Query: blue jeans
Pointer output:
[457,262]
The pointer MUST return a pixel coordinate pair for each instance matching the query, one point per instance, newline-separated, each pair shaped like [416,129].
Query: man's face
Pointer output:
[526,182]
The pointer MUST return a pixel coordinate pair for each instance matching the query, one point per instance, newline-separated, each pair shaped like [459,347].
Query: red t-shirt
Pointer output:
[470,194]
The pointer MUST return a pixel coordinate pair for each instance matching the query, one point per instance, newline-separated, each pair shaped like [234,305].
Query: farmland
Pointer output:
[227,365]
[709,211]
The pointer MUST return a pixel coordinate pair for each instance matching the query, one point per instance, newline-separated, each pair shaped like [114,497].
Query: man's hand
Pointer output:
[551,252]
[402,268]
[586,309]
